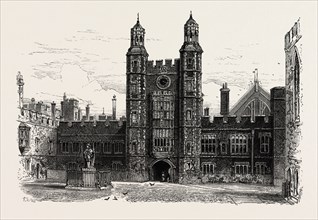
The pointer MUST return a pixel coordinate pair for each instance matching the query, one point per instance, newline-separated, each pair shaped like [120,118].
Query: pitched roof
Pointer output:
[254,91]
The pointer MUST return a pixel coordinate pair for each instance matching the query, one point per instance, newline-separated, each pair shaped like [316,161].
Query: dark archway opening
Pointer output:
[37,171]
[161,171]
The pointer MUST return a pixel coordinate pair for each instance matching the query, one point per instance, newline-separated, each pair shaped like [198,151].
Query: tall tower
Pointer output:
[20,84]
[136,107]
[190,105]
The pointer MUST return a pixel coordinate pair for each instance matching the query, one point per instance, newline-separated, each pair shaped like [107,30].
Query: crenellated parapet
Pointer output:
[162,66]
[37,118]
[237,122]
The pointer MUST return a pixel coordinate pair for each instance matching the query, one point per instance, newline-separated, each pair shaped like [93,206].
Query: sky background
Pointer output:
[80,47]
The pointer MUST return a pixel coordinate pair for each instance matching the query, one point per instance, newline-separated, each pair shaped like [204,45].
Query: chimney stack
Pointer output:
[114,107]
[64,96]
[87,112]
[79,114]
[53,110]
[206,111]
[225,99]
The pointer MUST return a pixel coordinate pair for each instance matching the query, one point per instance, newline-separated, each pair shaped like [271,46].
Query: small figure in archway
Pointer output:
[168,177]
[163,176]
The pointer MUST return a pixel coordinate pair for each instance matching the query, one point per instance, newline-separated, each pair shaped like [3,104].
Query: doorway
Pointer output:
[161,171]
[37,171]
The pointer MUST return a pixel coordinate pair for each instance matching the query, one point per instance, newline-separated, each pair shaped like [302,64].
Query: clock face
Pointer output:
[163,82]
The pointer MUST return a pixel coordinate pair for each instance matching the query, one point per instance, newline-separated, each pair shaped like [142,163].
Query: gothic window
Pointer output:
[189,115]
[134,89]
[107,149]
[97,147]
[207,168]
[241,168]
[260,168]
[72,166]
[76,147]
[189,86]
[162,140]
[223,148]
[134,118]
[208,144]
[134,66]
[118,147]
[189,148]
[24,136]
[190,63]
[116,165]
[37,143]
[65,147]
[239,144]
[297,88]
[264,141]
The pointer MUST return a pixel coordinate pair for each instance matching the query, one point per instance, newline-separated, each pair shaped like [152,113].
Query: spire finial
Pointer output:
[190,14]
[255,75]
[138,17]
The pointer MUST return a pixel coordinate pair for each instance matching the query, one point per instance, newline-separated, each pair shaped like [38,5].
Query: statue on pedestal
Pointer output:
[89,156]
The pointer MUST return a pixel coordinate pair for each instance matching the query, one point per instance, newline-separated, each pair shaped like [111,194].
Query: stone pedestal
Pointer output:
[89,177]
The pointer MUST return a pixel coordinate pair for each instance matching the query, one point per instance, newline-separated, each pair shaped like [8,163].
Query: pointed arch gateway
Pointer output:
[162,167]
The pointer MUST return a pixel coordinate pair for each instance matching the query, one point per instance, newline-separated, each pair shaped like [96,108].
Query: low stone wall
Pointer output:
[128,176]
[56,175]
[248,178]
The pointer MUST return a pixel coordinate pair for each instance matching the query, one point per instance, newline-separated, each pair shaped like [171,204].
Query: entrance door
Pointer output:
[37,171]
[161,171]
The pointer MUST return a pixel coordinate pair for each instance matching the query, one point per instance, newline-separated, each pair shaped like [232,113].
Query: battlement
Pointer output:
[293,35]
[36,117]
[159,66]
[93,127]
[242,122]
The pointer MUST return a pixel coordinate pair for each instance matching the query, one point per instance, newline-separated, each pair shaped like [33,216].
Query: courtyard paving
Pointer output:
[156,192]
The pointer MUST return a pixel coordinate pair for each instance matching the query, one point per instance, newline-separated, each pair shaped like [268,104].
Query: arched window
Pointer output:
[189,115]
[297,88]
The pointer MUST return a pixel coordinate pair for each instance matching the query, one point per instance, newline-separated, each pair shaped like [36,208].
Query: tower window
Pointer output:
[134,65]
[189,115]
[190,63]
[133,117]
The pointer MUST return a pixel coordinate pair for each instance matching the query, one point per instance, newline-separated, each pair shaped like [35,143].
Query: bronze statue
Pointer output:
[89,156]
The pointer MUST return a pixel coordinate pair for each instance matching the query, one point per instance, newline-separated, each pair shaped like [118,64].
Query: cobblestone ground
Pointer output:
[157,192]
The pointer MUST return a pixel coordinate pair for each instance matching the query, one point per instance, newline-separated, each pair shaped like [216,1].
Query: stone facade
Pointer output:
[37,141]
[293,63]
[107,140]
[166,136]
[167,133]
[70,110]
